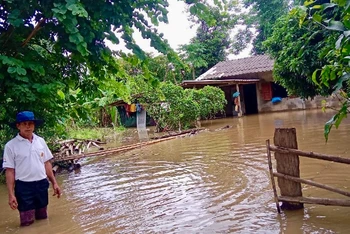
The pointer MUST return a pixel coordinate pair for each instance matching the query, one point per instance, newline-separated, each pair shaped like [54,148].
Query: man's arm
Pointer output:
[51,176]
[10,181]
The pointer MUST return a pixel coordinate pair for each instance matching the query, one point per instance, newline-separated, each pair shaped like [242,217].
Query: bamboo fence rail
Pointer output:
[300,199]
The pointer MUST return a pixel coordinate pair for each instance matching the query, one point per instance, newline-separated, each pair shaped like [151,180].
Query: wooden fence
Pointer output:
[288,173]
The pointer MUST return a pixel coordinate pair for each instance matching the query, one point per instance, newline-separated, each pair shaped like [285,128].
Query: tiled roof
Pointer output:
[194,83]
[238,67]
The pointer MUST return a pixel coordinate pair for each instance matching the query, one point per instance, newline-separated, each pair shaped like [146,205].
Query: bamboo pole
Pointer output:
[314,200]
[71,149]
[310,154]
[78,145]
[96,145]
[67,141]
[179,133]
[88,145]
[309,182]
[272,177]
[111,151]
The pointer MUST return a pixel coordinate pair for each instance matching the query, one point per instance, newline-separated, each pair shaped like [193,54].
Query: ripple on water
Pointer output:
[214,182]
[194,189]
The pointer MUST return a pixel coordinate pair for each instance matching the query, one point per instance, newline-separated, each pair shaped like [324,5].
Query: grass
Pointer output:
[92,133]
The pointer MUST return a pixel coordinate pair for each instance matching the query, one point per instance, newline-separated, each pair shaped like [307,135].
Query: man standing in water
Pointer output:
[27,162]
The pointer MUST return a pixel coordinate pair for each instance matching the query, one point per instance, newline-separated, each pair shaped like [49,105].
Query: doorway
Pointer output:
[250,99]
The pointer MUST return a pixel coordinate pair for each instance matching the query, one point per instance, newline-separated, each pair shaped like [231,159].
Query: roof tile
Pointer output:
[237,67]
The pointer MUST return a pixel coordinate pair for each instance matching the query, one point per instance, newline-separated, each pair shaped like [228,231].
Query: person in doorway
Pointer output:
[236,101]
[28,168]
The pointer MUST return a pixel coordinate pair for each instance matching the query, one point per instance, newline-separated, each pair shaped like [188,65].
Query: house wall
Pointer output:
[294,103]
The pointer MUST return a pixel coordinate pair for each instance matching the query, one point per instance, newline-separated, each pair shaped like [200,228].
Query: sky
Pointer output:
[178,31]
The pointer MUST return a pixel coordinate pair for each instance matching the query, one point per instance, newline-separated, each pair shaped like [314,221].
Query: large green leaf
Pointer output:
[328,126]
[309,2]
[82,48]
[340,82]
[61,94]
[14,18]
[76,38]
[12,70]
[336,26]
[21,71]
[326,6]
[77,9]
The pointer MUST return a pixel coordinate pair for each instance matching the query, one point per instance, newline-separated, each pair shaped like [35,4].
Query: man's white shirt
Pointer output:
[27,158]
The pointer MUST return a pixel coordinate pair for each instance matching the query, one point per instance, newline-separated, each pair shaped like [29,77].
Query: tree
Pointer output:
[212,41]
[261,18]
[166,68]
[333,18]
[49,48]
[297,52]
[311,48]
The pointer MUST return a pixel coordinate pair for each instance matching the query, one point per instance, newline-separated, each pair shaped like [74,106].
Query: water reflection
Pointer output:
[214,182]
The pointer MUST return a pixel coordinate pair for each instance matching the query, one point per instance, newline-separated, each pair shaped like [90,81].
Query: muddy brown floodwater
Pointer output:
[213,182]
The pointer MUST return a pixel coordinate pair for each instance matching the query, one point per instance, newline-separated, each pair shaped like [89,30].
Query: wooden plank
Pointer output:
[331,158]
[309,182]
[272,177]
[288,165]
[315,200]
[239,101]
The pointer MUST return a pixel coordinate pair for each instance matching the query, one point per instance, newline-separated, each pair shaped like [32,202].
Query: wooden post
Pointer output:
[272,177]
[288,164]
[239,101]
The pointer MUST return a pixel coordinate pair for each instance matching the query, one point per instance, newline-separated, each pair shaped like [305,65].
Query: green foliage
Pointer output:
[54,59]
[261,17]
[211,100]
[298,51]
[333,18]
[179,109]
[92,133]
[171,109]
[53,55]
[168,68]
[212,41]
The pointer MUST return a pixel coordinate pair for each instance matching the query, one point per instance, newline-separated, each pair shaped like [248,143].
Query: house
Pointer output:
[128,117]
[252,77]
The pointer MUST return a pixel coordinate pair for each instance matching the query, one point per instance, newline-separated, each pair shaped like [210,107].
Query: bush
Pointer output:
[179,108]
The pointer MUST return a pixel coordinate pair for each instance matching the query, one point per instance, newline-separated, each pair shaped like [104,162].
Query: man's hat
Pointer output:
[26,116]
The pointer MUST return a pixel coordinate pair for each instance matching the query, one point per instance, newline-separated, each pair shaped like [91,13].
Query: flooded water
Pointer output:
[213,182]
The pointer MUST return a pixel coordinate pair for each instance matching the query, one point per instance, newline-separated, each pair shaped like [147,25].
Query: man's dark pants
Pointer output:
[32,199]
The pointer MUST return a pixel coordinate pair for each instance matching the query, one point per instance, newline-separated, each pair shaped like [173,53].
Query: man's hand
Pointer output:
[13,202]
[56,190]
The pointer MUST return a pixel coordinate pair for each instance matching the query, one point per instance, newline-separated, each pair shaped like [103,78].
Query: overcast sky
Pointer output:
[178,31]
